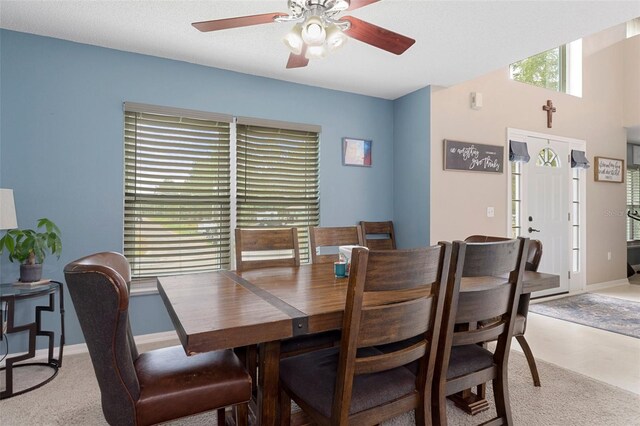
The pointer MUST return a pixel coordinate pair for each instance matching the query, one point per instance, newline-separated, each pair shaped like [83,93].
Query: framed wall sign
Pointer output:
[356,152]
[608,170]
[473,157]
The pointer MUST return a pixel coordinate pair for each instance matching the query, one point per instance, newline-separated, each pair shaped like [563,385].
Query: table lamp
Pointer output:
[7,210]
[7,213]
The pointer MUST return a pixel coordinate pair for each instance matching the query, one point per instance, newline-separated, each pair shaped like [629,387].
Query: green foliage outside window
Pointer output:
[545,69]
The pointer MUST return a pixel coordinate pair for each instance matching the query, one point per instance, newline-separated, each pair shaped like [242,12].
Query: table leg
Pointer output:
[268,376]
[470,402]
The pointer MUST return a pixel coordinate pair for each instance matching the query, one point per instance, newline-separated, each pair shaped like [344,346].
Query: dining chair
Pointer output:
[263,248]
[150,387]
[392,296]
[382,235]
[332,237]
[491,274]
[534,256]
[266,247]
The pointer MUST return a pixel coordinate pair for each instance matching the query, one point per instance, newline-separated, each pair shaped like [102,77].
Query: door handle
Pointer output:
[533,230]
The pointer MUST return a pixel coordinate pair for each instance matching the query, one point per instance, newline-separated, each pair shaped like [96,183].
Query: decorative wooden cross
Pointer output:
[550,110]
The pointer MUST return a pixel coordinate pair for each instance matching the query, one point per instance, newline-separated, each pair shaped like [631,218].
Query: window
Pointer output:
[575,219]
[545,69]
[184,194]
[558,69]
[633,203]
[547,158]
[516,198]
[278,180]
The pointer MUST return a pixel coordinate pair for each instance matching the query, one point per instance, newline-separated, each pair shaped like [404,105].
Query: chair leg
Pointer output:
[530,359]
[439,407]
[423,412]
[221,416]
[501,396]
[285,408]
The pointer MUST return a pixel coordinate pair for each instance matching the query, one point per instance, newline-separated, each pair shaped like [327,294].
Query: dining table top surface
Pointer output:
[227,309]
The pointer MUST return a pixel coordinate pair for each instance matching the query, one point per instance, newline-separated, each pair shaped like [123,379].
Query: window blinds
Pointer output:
[633,203]
[277,179]
[177,193]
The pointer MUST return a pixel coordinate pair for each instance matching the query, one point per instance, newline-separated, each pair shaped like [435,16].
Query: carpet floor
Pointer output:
[565,398]
[594,310]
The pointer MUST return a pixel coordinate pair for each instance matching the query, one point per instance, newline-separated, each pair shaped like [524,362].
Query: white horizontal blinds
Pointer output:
[633,203]
[177,194]
[277,172]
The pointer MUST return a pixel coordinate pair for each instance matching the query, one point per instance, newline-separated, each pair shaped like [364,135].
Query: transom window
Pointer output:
[547,157]
[558,69]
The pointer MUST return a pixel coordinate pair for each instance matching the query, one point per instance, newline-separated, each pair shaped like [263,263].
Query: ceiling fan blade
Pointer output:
[377,36]
[357,4]
[240,21]
[298,61]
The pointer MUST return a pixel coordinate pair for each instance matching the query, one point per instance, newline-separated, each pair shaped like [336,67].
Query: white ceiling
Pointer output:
[455,40]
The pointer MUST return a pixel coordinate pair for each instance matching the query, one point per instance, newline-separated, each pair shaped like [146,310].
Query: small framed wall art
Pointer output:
[608,170]
[356,152]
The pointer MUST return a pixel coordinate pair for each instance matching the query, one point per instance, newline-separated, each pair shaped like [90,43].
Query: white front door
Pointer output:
[546,213]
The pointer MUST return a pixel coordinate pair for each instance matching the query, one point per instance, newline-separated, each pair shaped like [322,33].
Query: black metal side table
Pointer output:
[9,294]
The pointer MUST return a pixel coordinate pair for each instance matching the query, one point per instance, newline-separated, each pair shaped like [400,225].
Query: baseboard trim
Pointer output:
[590,287]
[81,348]
[608,284]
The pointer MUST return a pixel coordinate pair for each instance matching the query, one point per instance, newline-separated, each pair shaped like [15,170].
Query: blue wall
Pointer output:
[61,139]
[412,159]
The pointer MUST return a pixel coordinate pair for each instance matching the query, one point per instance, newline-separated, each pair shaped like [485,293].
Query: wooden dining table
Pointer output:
[229,309]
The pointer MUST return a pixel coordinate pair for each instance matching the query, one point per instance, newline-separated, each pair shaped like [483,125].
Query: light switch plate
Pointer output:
[490,212]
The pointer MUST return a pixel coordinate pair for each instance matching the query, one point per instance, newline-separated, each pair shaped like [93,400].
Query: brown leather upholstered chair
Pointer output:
[533,261]
[269,241]
[462,361]
[384,237]
[393,296]
[155,386]
[332,237]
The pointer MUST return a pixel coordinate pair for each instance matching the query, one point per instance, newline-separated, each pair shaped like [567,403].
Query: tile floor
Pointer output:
[609,357]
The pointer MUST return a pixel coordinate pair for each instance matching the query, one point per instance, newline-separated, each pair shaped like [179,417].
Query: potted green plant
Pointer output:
[30,247]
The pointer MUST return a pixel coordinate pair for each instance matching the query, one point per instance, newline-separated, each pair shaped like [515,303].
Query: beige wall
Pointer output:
[459,199]
[632,82]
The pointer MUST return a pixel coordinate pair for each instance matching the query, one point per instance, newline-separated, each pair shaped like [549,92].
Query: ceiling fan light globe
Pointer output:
[293,40]
[335,38]
[316,52]
[313,31]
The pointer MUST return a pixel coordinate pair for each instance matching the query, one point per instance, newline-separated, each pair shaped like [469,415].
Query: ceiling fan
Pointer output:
[318,29]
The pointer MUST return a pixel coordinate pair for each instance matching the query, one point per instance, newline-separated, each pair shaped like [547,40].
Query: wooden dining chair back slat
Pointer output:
[266,247]
[462,361]
[332,237]
[534,255]
[378,235]
[393,296]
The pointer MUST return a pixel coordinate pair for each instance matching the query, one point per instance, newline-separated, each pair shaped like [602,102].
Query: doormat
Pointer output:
[593,310]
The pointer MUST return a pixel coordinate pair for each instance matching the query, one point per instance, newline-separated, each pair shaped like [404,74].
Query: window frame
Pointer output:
[148,285]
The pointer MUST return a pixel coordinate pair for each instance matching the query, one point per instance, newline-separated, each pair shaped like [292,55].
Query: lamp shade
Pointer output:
[293,40]
[313,31]
[7,210]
